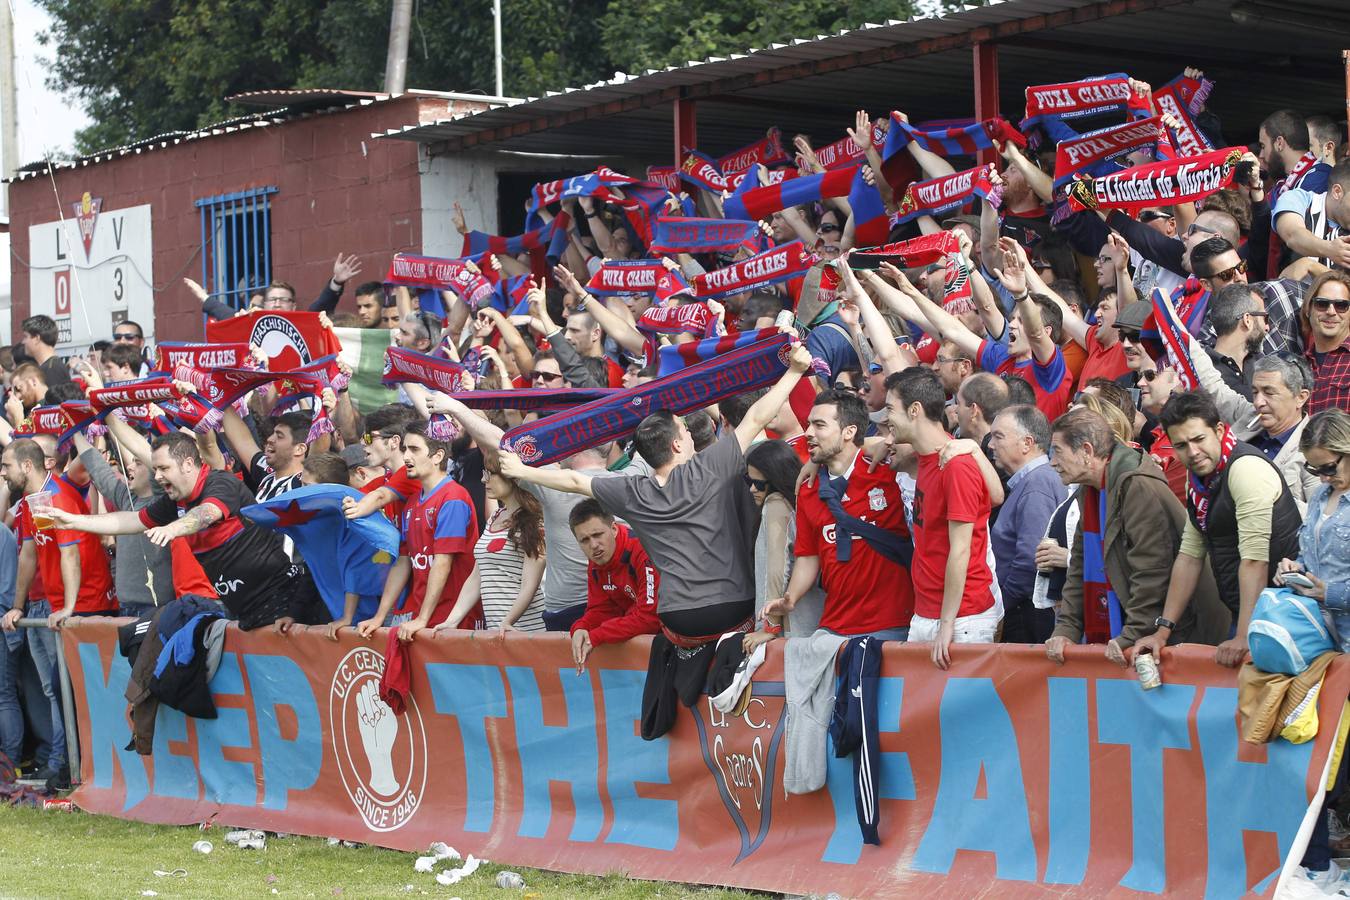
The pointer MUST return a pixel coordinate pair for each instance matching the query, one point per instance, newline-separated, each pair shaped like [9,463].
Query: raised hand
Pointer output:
[346,268]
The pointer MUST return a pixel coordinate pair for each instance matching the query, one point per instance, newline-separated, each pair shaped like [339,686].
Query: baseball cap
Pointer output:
[964,219]
[354,456]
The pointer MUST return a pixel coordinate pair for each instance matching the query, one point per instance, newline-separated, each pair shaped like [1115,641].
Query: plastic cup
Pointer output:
[40,505]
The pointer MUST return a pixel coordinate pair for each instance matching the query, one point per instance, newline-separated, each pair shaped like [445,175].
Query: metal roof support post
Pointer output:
[686,127]
[986,89]
[1345,55]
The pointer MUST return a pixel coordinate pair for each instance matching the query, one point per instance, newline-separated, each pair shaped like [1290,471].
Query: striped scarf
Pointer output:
[1102,618]
[618,415]
[1197,488]
[955,141]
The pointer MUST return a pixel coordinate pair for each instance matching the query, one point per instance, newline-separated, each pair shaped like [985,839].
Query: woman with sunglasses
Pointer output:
[1324,559]
[1326,327]
[771,469]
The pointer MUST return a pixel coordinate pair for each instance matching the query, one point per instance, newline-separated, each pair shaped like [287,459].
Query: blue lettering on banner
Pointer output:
[1070,782]
[109,732]
[638,821]
[895,778]
[1148,722]
[977,735]
[226,781]
[566,753]
[288,764]
[472,694]
[1267,796]
[175,775]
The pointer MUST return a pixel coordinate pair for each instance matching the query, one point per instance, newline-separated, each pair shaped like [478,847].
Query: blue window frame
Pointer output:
[236,250]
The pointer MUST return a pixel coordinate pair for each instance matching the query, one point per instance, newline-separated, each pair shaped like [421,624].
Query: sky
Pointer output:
[46,119]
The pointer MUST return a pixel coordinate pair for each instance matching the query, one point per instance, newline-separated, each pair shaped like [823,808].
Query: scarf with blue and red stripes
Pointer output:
[618,415]
[955,141]
[1102,615]
[762,202]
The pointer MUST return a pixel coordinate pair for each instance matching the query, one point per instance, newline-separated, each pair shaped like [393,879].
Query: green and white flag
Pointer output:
[363,350]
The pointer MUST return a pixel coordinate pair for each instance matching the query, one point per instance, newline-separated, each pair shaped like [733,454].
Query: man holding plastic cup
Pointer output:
[74,570]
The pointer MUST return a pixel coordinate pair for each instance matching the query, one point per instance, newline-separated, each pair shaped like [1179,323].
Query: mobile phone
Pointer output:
[1297,579]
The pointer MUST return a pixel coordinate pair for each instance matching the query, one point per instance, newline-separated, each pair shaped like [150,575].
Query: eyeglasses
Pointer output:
[1322,304]
[1326,471]
[1193,228]
[545,376]
[1153,215]
[1259,313]
[371,437]
[845,386]
[953,360]
[757,484]
[1149,374]
[828,228]
[1131,336]
[126,336]
[1230,273]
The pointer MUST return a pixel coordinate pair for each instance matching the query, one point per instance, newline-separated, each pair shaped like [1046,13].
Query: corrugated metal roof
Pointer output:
[924,66]
[304,98]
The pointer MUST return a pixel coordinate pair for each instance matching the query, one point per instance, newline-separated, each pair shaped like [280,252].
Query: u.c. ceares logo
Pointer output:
[382,757]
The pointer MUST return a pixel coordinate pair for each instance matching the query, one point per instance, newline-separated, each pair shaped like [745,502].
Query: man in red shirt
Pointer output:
[439,530]
[621,583]
[74,572]
[953,586]
[851,531]
[383,442]
[73,565]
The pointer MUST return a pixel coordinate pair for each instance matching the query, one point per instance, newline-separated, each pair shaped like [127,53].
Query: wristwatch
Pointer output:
[1160,622]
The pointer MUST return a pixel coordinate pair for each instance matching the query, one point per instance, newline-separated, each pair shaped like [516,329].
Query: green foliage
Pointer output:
[143,67]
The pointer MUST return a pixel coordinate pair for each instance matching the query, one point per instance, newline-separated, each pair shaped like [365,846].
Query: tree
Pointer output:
[144,67]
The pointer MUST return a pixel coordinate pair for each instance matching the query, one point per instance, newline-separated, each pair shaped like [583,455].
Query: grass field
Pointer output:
[74,855]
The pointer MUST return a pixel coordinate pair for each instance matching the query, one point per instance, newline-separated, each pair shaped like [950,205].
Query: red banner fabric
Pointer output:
[1006,773]
[1160,183]
[289,339]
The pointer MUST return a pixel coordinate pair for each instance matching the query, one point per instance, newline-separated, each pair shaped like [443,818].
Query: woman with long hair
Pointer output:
[1324,560]
[771,470]
[509,559]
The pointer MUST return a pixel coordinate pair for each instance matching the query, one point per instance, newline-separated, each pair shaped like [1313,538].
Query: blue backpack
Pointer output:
[1287,632]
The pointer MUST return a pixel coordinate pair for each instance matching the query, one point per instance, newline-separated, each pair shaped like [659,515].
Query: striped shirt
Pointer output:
[501,566]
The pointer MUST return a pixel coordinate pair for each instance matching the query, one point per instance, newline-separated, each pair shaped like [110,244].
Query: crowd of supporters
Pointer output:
[1025,411]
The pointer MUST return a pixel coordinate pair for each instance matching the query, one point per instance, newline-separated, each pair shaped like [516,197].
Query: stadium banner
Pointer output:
[1006,772]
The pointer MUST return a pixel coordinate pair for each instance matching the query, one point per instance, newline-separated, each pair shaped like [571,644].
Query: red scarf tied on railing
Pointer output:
[1197,489]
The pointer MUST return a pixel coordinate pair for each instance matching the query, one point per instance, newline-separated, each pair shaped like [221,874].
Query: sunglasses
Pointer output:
[1322,304]
[1153,215]
[545,376]
[1230,273]
[1326,471]
[1149,375]
[1193,229]
[845,386]
[757,484]
[125,336]
[1131,336]
[829,228]
[371,437]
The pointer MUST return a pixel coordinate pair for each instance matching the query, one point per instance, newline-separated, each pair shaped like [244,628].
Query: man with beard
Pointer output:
[1238,315]
[245,564]
[851,531]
